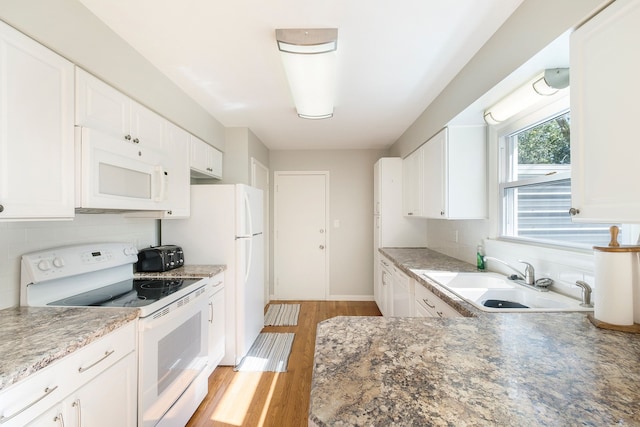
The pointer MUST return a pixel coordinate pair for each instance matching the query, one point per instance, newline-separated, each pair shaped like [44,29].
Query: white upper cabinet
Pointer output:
[178,143]
[206,161]
[446,177]
[102,107]
[604,112]
[36,142]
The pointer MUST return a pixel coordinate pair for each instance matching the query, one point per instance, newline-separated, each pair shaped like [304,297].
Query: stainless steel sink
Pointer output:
[478,288]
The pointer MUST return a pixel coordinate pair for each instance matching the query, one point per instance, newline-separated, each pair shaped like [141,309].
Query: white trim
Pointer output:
[350,298]
[326,174]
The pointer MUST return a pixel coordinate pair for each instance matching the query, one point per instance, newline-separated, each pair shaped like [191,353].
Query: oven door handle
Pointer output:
[174,313]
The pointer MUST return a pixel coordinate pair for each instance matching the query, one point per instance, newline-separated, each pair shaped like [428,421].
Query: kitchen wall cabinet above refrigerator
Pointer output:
[36,142]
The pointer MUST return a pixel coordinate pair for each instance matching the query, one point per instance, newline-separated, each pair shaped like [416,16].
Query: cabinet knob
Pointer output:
[321,246]
[442,213]
[1,208]
[169,212]
[409,213]
[136,141]
[574,211]
[127,137]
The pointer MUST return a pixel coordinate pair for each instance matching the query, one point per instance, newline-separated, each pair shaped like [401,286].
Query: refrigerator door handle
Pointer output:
[247,212]
[247,266]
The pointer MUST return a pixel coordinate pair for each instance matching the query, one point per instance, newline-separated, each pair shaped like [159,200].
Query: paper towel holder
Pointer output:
[615,247]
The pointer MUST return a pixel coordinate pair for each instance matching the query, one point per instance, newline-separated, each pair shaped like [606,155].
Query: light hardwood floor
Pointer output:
[265,399]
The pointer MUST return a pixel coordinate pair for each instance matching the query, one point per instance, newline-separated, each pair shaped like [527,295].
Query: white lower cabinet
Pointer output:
[402,294]
[108,400]
[216,322]
[385,283]
[427,304]
[95,386]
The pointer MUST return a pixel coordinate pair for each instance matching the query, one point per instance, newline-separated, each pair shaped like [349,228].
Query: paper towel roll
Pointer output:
[614,295]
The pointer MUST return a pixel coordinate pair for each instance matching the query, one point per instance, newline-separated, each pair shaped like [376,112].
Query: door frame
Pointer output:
[327,181]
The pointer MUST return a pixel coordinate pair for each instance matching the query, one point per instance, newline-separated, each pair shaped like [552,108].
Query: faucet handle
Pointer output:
[529,272]
[586,293]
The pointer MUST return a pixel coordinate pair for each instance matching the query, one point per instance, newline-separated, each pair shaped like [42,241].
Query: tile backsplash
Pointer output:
[18,238]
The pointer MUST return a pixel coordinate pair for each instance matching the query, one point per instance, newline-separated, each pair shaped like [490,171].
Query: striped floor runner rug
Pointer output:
[269,353]
[282,315]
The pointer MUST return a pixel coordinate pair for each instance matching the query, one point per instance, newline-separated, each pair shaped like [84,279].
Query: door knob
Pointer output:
[321,246]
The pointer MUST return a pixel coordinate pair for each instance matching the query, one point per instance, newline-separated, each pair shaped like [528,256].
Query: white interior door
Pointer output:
[260,179]
[300,235]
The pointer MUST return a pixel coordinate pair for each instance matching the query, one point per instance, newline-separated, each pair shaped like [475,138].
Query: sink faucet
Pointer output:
[529,275]
[586,293]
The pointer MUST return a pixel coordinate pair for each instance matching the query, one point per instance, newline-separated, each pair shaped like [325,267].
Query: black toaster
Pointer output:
[160,258]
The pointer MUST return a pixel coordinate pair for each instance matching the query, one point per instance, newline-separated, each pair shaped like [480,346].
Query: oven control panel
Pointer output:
[70,261]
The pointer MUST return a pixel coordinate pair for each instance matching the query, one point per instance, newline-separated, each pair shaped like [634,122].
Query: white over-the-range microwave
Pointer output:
[115,175]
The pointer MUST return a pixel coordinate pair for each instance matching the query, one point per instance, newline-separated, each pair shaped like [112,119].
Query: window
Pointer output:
[535,187]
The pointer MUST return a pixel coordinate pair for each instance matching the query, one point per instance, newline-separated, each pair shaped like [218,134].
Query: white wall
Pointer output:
[18,238]
[351,202]
[241,146]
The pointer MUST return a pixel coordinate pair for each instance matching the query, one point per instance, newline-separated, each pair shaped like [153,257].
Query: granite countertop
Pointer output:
[32,338]
[507,369]
[187,272]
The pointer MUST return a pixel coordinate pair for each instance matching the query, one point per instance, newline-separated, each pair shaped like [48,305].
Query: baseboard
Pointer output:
[337,298]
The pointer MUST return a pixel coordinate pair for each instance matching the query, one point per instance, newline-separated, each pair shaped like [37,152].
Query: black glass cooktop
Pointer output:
[128,293]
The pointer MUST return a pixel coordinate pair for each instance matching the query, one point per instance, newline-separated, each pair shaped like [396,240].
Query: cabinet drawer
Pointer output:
[432,304]
[25,400]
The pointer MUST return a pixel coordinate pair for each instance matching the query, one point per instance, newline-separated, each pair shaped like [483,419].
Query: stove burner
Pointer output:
[128,293]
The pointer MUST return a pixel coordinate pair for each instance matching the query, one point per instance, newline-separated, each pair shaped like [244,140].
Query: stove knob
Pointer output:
[44,265]
[58,262]
[130,251]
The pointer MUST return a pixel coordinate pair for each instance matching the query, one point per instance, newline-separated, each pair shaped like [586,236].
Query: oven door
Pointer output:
[115,174]
[173,351]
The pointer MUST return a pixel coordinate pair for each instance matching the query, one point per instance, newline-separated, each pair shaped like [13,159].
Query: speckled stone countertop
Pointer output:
[187,272]
[496,369]
[31,338]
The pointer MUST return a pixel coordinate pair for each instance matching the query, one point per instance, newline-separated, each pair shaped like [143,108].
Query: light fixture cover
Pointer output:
[309,58]
[546,83]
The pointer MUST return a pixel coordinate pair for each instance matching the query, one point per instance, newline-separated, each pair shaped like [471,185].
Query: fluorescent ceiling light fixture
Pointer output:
[309,58]
[545,84]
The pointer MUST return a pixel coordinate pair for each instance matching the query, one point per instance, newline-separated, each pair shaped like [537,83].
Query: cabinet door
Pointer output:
[412,178]
[147,127]
[433,205]
[206,161]
[604,111]
[100,106]
[56,416]
[179,180]
[216,323]
[36,142]
[108,400]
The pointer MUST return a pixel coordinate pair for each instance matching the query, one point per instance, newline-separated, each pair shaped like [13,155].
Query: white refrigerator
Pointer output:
[225,227]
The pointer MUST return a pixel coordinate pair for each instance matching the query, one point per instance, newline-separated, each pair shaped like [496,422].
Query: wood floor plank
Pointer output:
[270,399]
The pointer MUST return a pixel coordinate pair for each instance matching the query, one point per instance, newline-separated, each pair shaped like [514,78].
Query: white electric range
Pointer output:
[173,330]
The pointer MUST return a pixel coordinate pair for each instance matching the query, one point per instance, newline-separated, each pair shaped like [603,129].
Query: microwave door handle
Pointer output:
[161,181]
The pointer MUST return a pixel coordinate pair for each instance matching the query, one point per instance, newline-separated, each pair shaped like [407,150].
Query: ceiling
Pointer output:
[394,58]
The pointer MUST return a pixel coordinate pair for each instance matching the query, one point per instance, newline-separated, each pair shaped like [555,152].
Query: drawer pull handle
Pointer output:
[106,354]
[426,301]
[59,419]
[47,391]
[440,314]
